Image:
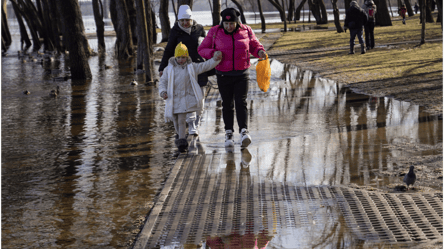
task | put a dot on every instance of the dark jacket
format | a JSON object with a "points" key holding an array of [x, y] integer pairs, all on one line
{"points": [[367, 5], [177, 35], [355, 18]]}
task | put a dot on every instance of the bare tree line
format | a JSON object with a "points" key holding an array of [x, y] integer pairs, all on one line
{"points": [[59, 27]]}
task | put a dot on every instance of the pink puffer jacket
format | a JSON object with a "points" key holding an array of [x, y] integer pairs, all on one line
{"points": [[236, 48]]}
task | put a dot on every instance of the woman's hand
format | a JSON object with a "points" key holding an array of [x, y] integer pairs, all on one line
{"points": [[160, 73], [217, 56], [262, 54]]}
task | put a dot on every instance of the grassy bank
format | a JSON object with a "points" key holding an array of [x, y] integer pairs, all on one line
{"points": [[398, 66], [403, 59]]}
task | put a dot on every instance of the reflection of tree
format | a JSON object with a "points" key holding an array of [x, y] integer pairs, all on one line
{"points": [[337, 237], [331, 130], [241, 241]]}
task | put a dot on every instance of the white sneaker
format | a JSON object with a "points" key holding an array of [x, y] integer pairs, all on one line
{"points": [[245, 138], [192, 130], [245, 158], [229, 142]]}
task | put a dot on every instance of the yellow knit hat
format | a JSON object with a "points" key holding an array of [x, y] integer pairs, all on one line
{"points": [[181, 50]]}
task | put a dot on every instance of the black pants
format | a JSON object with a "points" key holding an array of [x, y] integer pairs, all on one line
{"points": [[233, 91], [369, 34]]}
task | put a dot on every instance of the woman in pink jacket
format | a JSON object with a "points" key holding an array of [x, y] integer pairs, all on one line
{"points": [[236, 42]]}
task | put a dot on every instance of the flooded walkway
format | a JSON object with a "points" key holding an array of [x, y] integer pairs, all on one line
{"points": [[311, 138], [210, 200]]}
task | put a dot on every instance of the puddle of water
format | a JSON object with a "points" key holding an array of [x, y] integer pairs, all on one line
{"points": [[78, 170], [312, 131]]}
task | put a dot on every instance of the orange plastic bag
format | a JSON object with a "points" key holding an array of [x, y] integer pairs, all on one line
{"points": [[263, 74]]}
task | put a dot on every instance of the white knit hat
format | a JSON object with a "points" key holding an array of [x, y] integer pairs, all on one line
{"points": [[184, 12]]}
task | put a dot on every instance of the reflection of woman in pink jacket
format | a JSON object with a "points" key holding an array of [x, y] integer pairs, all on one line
{"points": [[236, 42]]}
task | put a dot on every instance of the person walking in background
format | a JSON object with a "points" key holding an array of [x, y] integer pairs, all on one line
{"points": [[355, 18], [416, 7], [369, 28], [432, 5], [236, 41], [402, 12], [189, 32], [179, 87]]}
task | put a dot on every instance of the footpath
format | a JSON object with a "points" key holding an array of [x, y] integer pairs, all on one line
{"points": [[217, 198]]}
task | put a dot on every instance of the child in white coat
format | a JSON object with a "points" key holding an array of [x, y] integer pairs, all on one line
{"points": [[178, 86]]}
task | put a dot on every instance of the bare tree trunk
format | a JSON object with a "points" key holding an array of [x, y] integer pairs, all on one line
{"points": [[423, 20], [78, 58], [285, 19], [297, 12], [100, 26], [321, 5], [153, 36], [4, 4], [187, 2], [6, 35], [347, 4], [338, 25], [241, 10], [164, 20], [315, 11], [174, 9], [44, 15], [23, 12], [216, 12], [261, 13], [408, 6], [120, 19], [278, 6], [382, 15], [36, 23], [290, 10], [142, 35], [149, 60], [390, 5], [429, 17], [439, 6], [55, 24], [211, 7], [85, 43], [143, 46], [132, 18], [24, 38]]}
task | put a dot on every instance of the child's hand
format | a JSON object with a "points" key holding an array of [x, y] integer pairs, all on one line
{"points": [[217, 56], [164, 95]]}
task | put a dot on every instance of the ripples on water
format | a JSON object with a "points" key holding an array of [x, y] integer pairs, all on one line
{"points": [[78, 170]]}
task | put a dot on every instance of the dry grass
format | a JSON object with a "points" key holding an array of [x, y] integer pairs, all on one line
{"points": [[384, 62]]}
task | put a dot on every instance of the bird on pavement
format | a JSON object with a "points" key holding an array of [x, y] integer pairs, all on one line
{"points": [[134, 83], [410, 178], [54, 93]]}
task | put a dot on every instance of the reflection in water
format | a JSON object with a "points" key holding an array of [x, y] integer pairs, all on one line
{"points": [[312, 131], [218, 202], [79, 169]]}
